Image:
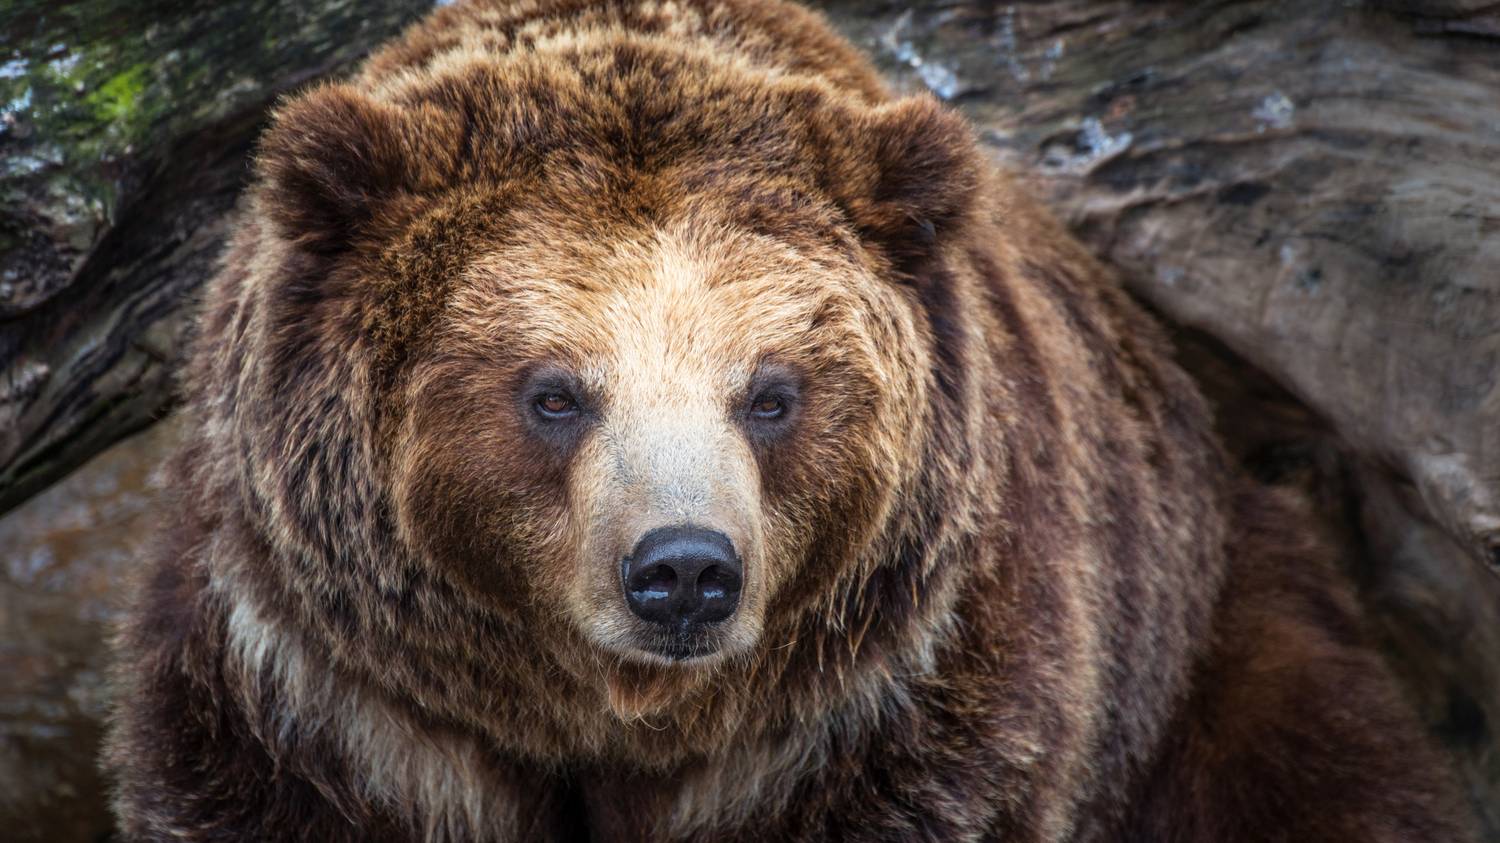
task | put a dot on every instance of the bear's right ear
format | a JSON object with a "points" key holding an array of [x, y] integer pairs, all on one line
{"points": [[333, 154]]}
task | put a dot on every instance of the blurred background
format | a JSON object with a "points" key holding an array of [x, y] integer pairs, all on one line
{"points": [[1307, 192]]}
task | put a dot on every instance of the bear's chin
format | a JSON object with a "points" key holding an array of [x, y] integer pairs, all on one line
{"points": [[638, 691]]}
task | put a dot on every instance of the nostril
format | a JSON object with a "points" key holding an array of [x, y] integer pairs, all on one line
{"points": [[717, 583], [654, 583]]}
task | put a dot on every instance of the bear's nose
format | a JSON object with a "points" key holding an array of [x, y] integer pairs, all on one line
{"points": [[678, 576]]}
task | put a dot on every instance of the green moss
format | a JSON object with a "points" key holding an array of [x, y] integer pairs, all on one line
{"points": [[94, 94], [118, 99]]}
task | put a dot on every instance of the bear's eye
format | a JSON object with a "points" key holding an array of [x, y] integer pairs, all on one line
{"points": [[556, 405], [768, 406]]}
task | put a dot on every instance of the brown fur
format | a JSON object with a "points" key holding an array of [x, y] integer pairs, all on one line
{"points": [[1000, 583]]}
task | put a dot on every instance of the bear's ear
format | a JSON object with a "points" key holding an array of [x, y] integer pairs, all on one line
{"points": [[917, 177], [333, 154]]}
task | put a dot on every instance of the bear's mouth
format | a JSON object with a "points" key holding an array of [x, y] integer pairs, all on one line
{"points": [[685, 642], [682, 654]]}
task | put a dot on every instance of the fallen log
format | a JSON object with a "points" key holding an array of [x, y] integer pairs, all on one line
{"points": [[124, 134]]}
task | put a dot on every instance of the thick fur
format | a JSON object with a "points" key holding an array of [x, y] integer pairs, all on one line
{"points": [[1000, 582]]}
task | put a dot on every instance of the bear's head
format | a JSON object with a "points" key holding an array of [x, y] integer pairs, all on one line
{"points": [[629, 364]]}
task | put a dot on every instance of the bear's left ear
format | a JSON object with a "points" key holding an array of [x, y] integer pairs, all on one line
{"points": [[916, 180]]}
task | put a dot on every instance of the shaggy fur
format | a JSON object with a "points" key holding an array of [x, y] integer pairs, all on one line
{"points": [[1000, 583]]}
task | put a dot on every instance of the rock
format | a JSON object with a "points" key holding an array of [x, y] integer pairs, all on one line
{"points": [[68, 554], [1459, 17]]}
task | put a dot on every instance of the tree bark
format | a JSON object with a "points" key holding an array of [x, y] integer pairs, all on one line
{"points": [[125, 129]]}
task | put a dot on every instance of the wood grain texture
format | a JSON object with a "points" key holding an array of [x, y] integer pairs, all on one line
{"points": [[124, 133]]}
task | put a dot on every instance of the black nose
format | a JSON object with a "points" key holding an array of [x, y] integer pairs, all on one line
{"points": [[682, 575]]}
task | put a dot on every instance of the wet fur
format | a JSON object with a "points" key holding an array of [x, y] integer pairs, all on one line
{"points": [[1010, 588]]}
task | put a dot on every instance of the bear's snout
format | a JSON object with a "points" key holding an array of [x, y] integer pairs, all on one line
{"points": [[682, 576]]}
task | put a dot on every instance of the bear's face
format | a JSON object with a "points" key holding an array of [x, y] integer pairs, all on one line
{"points": [[646, 435], [646, 397]]}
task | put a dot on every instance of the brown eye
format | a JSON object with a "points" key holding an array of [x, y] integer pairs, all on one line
{"points": [[556, 405], [768, 407]]}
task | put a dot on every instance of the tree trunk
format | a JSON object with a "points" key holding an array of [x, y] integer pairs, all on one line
{"points": [[125, 129]]}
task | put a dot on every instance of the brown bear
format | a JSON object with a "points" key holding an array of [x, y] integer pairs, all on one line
{"points": [[627, 420]]}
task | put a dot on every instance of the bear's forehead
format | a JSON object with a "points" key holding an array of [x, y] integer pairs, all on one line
{"points": [[654, 266], [616, 204], [684, 290]]}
